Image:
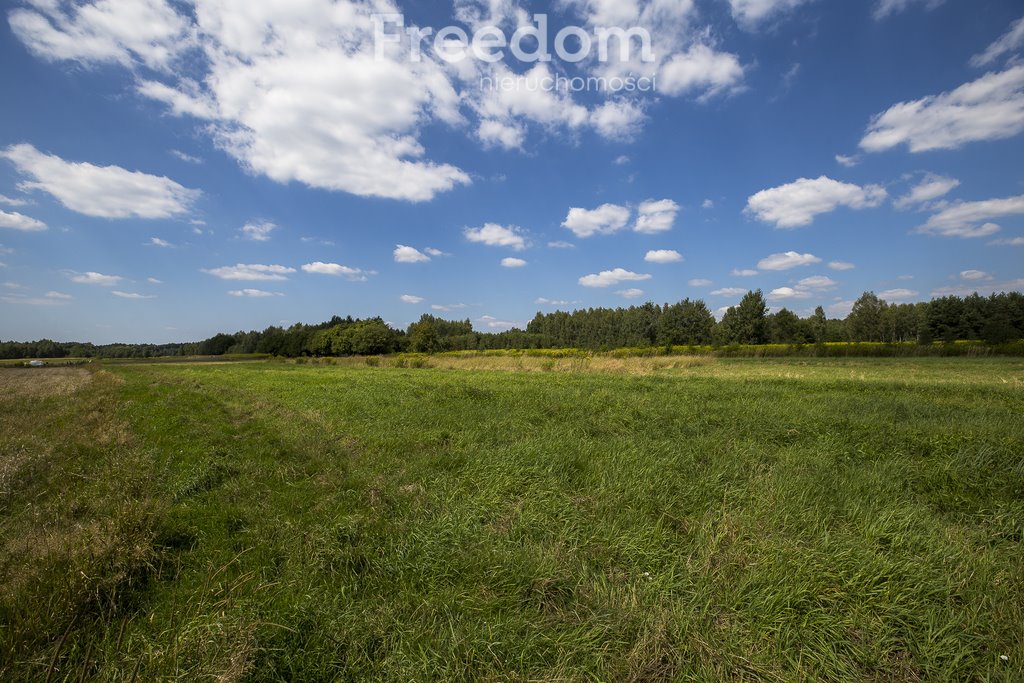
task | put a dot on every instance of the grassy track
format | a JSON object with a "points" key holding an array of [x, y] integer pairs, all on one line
{"points": [[752, 520]]}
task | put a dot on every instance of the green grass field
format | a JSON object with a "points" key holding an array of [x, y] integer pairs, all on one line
{"points": [[638, 520]]}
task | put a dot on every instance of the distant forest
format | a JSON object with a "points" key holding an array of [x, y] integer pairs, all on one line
{"points": [[996, 319]]}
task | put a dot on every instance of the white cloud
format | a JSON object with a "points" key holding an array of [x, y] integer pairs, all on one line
{"points": [[108, 31], [258, 232], [17, 221], [885, 8], [495, 324], [750, 13], [154, 281], [700, 282], [663, 256], [707, 204], [782, 293], [253, 293], [157, 242], [335, 270], [560, 244], [431, 251], [448, 308], [410, 299], [654, 216], [58, 295], [1011, 41], [494, 235], [841, 265], [621, 160], [817, 282], [787, 260], [291, 90], [969, 219], [618, 119], [608, 278], [981, 288], [897, 294], [990, 108], [729, 291], [604, 220], [93, 278], [253, 272], [840, 309], [700, 69], [512, 262], [1008, 242], [100, 191], [931, 187], [796, 204], [178, 154], [406, 254], [974, 275], [631, 293], [744, 272], [11, 201], [554, 302], [847, 161], [132, 295]]}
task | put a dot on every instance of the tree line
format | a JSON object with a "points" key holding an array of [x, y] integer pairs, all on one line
{"points": [[995, 319]]}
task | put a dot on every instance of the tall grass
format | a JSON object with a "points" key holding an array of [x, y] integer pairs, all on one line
{"points": [[801, 519]]}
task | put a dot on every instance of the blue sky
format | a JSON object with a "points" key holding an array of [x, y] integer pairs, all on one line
{"points": [[169, 169]]}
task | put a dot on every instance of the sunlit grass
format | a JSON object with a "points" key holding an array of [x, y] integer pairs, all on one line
{"points": [[496, 518]]}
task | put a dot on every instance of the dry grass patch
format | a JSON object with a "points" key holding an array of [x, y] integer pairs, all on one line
{"points": [[18, 384]]}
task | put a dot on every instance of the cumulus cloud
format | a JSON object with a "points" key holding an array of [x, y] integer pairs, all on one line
{"points": [[972, 219], [782, 293], [17, 221], [512, 262], [654, 216], [700, 69], [335, 270], [609, 278], [931, 187], [604, 220], [106, 31], [157, 242], [975, 275], [618, 119], [93, 278], [729, 291], [990, 108], [847, 161], [796, 204], [407, 254], [841, 265], [631, 293], [494, 235], [258, 232], [744, 272], [182, 156], [817, 282], [49, 299], [254, 272], [897, 294], [1008, 242], [886, 8], [554, 302], [135, 296], [1011, 41], [253, 293], [787, 260], [100, 191], [663, 256], [411, 299], [700, 282], [561, 244]]}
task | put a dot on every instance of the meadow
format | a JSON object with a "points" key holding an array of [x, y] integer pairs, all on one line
{"points": [[524, 518]]}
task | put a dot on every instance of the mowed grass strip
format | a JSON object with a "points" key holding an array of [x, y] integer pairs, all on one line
{"points": [[735, 520]]}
